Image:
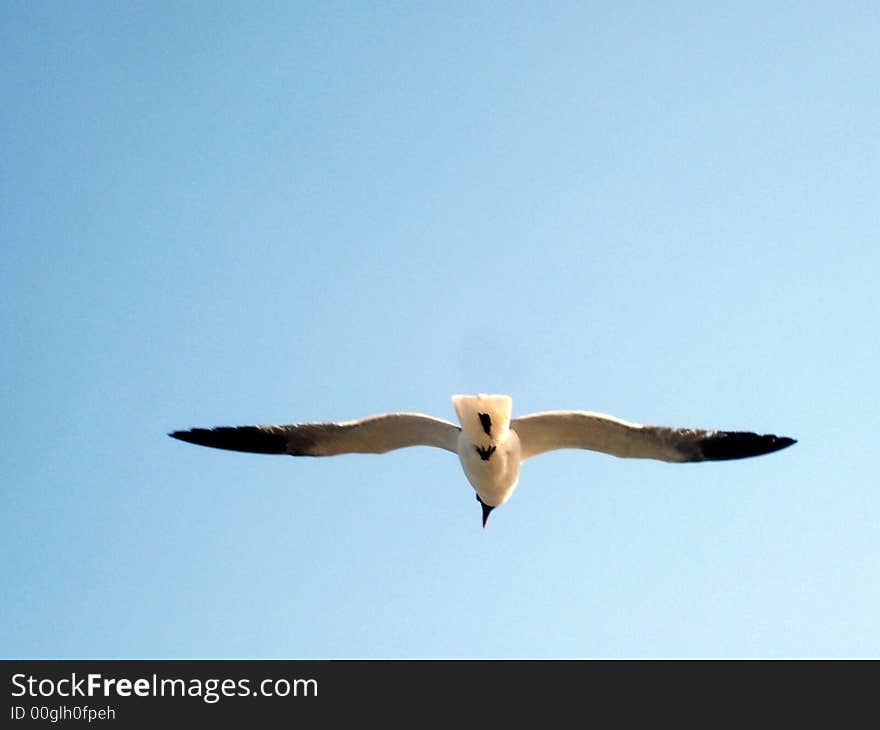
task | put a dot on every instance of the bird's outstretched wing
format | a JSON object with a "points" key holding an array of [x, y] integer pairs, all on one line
{"points": [[372, 435], [540, 432]]}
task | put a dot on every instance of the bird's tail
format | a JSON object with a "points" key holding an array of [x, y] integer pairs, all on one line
{"points": [[483, 417]]}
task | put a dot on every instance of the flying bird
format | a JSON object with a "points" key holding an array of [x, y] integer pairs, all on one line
{"points": [[490, 445]]}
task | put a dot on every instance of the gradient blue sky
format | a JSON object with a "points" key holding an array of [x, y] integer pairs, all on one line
{"points": [[238, 213]]}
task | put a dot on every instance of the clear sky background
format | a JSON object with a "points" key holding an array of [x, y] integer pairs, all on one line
{"points": [[243, 213]]}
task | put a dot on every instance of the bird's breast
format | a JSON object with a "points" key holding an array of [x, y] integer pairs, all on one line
{"points": [[492, 467]]}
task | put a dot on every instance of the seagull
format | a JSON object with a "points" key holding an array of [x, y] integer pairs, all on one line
{"points": [[490, 445]]}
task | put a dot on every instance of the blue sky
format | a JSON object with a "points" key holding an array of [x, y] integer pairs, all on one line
{"points": [[243, 213]]}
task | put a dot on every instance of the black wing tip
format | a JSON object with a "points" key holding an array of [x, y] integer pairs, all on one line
{"points": [[250, 439], [190, 436], [726, 445]]}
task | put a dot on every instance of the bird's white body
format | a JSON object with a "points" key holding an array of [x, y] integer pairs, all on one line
{"points": [[486, 432]]}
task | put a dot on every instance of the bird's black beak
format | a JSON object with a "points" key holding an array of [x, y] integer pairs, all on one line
{"points": [[486, 509]]}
